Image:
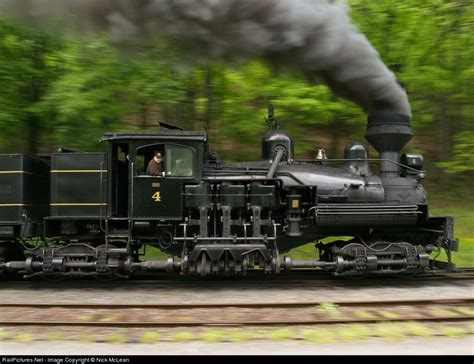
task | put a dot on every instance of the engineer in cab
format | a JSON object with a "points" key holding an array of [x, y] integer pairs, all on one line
{"points": [[155, 166]]}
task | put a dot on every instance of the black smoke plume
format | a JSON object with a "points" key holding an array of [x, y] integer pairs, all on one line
{"points": [[316, 36]]}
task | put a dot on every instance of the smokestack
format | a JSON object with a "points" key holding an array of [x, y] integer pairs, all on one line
{"points": [[388, 134]]}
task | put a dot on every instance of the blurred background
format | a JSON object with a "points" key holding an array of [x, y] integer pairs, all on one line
{"points": [[66, 92]]}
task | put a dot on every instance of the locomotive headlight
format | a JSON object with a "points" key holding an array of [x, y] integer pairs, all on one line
{"points": [[413, 165], [412, 160]]}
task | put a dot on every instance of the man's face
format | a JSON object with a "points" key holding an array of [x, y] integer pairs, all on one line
{"points": [[157, 159]]}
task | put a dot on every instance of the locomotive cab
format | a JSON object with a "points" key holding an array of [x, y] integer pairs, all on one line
{"points": [[152, 197]]}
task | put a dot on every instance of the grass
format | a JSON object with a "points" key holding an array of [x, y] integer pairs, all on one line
{"points": [[86, 338], [3, 335], [183, 336], [108, 319], [330, 309], [56, 336], [240, 336], [116, 339], [25, 337], [349, 333], [212, 336], [364, 315], [465, 311], [453, 332], [281, 334], [149, 337], [153, 253], [390, 331], [463, 221], [85, 317], [442, 312], [319, 336], [418, 329], [471, 327]]}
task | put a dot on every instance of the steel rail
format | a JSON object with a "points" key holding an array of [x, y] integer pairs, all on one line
{"points": [[260, 305], [226, 321], [287, 322]]}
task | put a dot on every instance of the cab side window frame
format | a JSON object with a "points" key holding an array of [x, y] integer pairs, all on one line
{"points": [[170, 162]]}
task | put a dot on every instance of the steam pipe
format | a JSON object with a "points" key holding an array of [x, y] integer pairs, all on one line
{"points": [[275, 162]]}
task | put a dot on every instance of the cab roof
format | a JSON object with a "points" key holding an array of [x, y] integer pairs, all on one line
{"points": [[160, 135]]}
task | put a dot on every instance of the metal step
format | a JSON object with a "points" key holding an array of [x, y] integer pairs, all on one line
{"points": [[117, 250]]}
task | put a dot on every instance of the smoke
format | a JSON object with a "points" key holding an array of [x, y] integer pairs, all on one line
{"points": [[316, 36]]}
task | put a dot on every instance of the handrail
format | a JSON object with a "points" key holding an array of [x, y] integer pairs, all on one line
{"points": [[132, 192], [319, 161]]}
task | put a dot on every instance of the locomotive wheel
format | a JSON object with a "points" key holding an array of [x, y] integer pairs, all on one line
{"points": [[385, 245]]}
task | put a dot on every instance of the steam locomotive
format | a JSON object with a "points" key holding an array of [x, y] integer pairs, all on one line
{"points": [[74, 214]]}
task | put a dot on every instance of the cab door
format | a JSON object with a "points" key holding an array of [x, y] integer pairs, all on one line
{"points": [[161, 197]]}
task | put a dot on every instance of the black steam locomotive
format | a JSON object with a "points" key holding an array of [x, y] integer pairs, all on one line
{"points": [[72, 214]]}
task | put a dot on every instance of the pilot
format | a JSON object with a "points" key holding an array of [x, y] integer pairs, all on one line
{"points": [[155, 166]]}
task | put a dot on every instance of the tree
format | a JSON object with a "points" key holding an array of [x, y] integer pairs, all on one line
{"points": [[25, 75]]}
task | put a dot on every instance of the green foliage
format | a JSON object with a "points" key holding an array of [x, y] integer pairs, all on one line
{"points": [[61, 92], [463, 156], [25, 75], [429, 45]]}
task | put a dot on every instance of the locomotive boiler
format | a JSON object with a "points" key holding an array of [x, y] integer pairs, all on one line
{"points": [[73, 214]]}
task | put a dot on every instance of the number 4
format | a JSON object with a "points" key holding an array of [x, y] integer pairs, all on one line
{"points": [[156, 197]]}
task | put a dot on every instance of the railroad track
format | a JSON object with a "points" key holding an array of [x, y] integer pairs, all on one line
{"points": [[235, 314]]}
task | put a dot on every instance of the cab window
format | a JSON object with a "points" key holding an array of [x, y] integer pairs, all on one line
{"points": [[144, 155], [179, 161]]}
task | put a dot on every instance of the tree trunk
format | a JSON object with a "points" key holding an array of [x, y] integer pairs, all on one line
{"points": [[33, 132], [208, 93], [444, 150], [144, 110]]}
